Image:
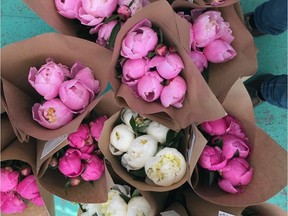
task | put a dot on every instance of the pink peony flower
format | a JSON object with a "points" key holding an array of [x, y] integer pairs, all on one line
{"points": [[133, 69], [28, 188], [11, 203], [104, 31], [25, 171], [173, 94], [216, 127], [70, 164], [134, 5], [139, 41], [219, 51], [48, 79], [86, 151], [9, 180], [52, 114], [149, 86], [212, 159], [38, 201], [96, 127], [232, 145], [169, 66], [100, 8], [225, 32], [199, 59], [67, 8], [81, 137], [235, 127], [86, 77], [124, 12], [235, 175], [86, 18], [94, 169], [75, 95]]}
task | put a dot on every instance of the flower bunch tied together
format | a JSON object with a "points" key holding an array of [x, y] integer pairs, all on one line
{"points": [[226, 154], [18, 187], [148, 149], [151, 67], [81, 159], [210, 37], [66, 92], [120, 203], [103, 19]]}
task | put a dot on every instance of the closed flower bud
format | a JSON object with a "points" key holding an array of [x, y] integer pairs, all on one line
{"points": [[158, 131]]}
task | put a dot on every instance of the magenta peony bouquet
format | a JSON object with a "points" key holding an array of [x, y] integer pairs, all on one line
{"points": [[103, 19], [81, 159], [226, 154], [210, 38], [151, 67], [18, 187], [66, 92]]}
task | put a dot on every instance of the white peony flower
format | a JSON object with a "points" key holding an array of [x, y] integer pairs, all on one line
{"points": [[167, 167], [91, 209], [126, 116], [138, 206], [141, 149], [120, 139], [158, 131], [115, 206]]}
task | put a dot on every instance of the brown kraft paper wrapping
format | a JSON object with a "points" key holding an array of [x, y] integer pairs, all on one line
{"points": [[26, 152], [175, 209], [268, 159], [7, 133], [223, 75], [18, 96], [116, 165], [267, 209], [54, 181], [200, 103]]}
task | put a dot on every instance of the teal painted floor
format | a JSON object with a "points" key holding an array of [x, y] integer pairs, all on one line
{"points": [[18, 23]]}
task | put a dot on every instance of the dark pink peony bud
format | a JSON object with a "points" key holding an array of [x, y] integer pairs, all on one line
{"points": [[124, 12]]}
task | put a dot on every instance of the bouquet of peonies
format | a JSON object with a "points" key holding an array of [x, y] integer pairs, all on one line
{"points": [[18, 187], [226, 154], [121, 201], [103, 18], [66, 92]]}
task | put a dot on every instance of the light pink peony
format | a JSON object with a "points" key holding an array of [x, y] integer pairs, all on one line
{"points": [[81, 137], [75, 95], [38, 201], [139, 41], [235, 127], [173, 94], [149, 86], [67, 8], [87, 78], [225, 32], [104, 31], [219, 51], [94, 169], [70, 164], [216, 127], [235, 175], [133, 69], [48, 79], [11, 203], [233, 145], [99, 8], [86, 18], [9, 180], [212, 159], [28, 188], [199, 59], [52, 114], [133, 6], [168, 66], [96, 127], [124, 12]]}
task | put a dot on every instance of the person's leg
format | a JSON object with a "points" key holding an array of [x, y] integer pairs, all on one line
{"points": [[274, 90], [271, 17]]}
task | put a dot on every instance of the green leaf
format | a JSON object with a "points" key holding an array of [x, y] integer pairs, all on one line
{"points": [[113, 34], [83, 210], [218, 142], [170, 137], [211, 178], [124, 197], [133, 124], [236, 154], [135, 193], [113, 17], [142, 129], [160, 36], [139, 173], [67, 185], [95, 214], [205, 75], [151, 54]]}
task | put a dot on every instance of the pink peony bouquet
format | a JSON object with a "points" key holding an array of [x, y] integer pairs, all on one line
{"points": [[225, 156], [66, 92], [18, 187], [210, 38], [151, 67], [103, 19], [81, 159]]}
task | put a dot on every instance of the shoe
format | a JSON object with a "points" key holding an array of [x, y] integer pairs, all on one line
{"points": [[253, 31], [253, 87]]}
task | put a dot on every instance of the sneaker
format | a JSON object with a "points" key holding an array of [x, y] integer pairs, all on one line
{"points": [[254, 31]]}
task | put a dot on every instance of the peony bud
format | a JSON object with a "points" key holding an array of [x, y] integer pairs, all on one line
{"points": [[67, 8], [28, 188], [158, 131], [124, 12], [235, 127], [133, 70], [75, 181], [233, 145], [25, 171], [216, 127], [80, 137], [212, 159], [93, 169], [161, 50], [11, 203], [53, 162], [9, 180], [38, 201], [138, 206], [96, 127], [199, 59]]}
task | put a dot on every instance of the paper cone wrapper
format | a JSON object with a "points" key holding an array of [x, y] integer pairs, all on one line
{"points": [[268, 159], [199, 105], [267, 209], [26, 152], [31, 210], [2, 109], [222, 76], [193, 145], [7, 133], [18, 96], [175, 209], [54, 181]]}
